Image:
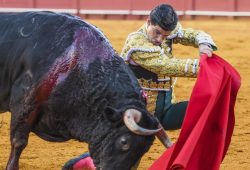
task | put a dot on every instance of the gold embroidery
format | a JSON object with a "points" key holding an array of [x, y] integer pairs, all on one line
{"points": [[159, 60], [151, 102], [152, 88]]}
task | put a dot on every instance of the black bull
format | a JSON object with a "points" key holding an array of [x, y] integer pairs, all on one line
{"points": [[61, 79]]}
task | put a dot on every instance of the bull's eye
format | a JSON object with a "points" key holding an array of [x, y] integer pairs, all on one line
{"points": [[123, 143]]}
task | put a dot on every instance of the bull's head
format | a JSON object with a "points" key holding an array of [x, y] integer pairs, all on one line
{"points": [[129, 142], [132, 116]]}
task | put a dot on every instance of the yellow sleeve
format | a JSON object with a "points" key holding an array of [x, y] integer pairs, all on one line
{"points": [[191, 37], [162, 65], [154, 58]]}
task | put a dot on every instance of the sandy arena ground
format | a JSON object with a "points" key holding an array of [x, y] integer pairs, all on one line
{"points": [[233, 40]]}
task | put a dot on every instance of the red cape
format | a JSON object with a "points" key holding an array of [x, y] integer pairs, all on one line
{"points": [[209, 122]]}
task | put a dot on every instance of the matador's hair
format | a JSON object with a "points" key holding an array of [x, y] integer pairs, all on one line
{"points": [[165, 16]]}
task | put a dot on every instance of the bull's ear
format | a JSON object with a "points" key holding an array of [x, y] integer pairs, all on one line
{"points": [[113, 116]]}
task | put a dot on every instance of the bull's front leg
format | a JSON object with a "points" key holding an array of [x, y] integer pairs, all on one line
{"points": [[19, 139], [21, 124], [23, 114]]}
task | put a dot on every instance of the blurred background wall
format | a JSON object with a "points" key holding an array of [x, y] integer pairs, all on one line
{"points": [[132, 9]]}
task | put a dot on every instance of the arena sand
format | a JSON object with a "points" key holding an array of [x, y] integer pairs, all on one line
{"points": [[233, 40]]}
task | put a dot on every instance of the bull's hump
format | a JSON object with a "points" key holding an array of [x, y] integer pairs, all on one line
{"points": [[91, 44]]}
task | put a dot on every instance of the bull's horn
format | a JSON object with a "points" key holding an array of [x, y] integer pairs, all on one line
{"points": [[131, 117], [163, 137]]}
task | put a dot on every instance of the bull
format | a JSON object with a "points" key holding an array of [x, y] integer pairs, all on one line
{"points": [[62, 79]]}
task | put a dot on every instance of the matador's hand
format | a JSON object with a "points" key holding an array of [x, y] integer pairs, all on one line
{"points": [[205, 49]]}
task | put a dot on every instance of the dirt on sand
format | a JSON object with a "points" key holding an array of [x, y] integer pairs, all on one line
{"points": [[233, 40]]}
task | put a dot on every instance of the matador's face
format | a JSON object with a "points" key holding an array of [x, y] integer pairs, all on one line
{"points": [[156, 34]]}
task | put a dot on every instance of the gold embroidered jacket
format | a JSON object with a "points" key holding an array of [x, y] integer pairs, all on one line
{"points": [[139, 51]]}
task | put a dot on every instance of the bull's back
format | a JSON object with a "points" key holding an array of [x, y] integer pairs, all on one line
{"points": [[30, 42]]}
